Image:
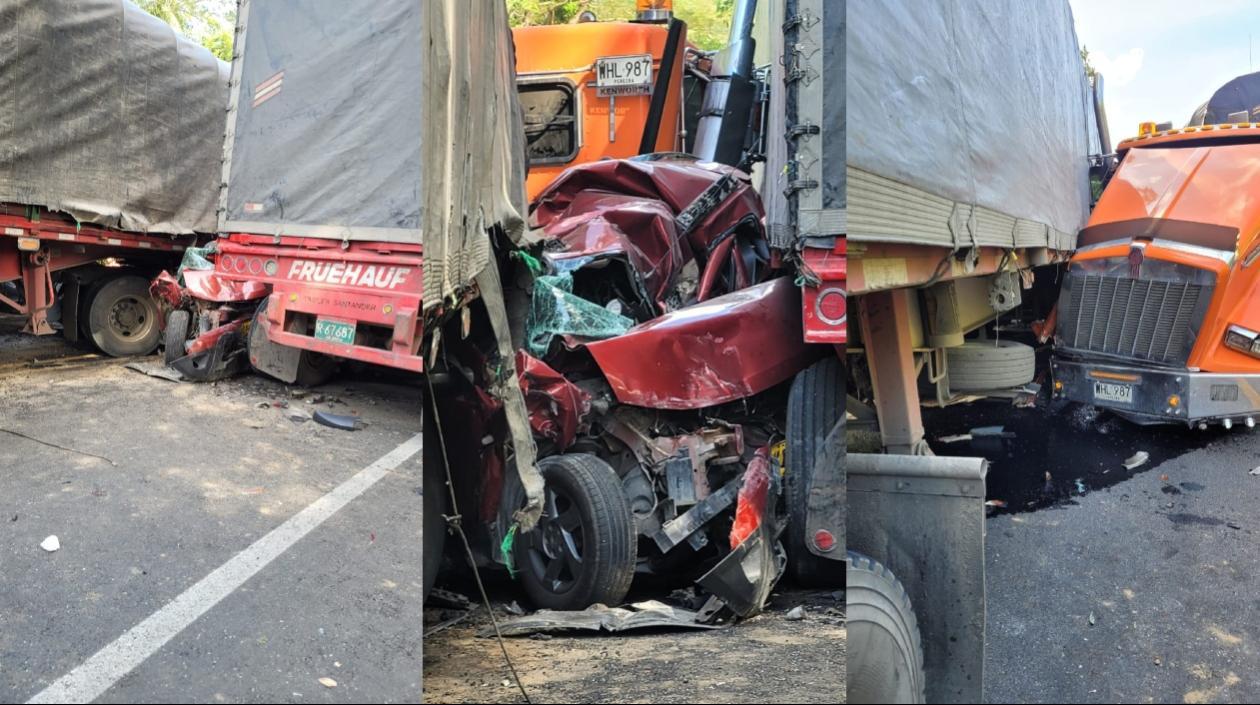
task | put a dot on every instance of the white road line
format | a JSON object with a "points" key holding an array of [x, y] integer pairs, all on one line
{"points": [[93, 677]]}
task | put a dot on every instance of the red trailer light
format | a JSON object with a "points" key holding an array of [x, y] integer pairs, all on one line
{"points": [[830, 307], [824, 541]]}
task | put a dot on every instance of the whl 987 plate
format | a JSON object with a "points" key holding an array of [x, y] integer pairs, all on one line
{"points": [[1113, 392], [623, 75]]}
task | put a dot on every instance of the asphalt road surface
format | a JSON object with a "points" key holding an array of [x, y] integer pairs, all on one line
{"points": [[1166, 566], [212, 549]]}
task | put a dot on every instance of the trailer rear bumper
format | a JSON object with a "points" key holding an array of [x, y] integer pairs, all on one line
{"points": [[1152, 396], [403, 328]]}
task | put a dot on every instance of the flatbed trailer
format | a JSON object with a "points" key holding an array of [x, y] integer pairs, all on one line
{"points": [[53, 259]]}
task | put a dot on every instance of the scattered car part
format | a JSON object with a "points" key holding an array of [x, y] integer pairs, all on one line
{"points": [[650, 614], [341, 422], [1136, 460]]}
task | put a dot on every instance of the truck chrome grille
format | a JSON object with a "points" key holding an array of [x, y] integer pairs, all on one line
{"points": [[1153, 320]]}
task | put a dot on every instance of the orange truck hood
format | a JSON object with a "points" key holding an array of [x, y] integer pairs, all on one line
{"points": [[1183, 190]]}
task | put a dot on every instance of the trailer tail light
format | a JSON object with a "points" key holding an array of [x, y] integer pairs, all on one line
{"points": [[1243, 340], [824, 541], [830, 305], [28, 244]]}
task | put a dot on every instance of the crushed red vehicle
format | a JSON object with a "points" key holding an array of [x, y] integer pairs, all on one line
{"points": [[662, 339], [205, 321]]}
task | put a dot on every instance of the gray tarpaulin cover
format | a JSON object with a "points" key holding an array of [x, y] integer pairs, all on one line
{"points": [[977, 103], [108, 115], [387, 121]]}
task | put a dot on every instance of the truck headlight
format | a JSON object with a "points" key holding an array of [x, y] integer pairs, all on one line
{"points": [[1243, 340]]}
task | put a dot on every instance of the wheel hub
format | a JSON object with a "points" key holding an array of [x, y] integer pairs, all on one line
{"points": [[127, 317]]}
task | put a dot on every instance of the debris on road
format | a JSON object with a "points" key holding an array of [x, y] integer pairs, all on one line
{"points": [[51, 544], [1138, 459], [328, 682], [1254, 471], [155, 370], [297, 415], [343, 422], [955, 439], [640, 615], [997, 503], [795, 614], [991, 432]]}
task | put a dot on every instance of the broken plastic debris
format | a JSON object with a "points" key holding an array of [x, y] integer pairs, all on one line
{"points": [[1254, 471], [327, 682], [1000, 504], [297, 415], [344, 422], [50, 544], [991, 432], [1091, 619], [795, 614], [955, 439], [1139, 459], [1080, 486], [640, 615]]}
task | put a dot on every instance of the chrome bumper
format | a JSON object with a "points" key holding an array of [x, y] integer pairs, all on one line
{"points": [[1162, 396]]}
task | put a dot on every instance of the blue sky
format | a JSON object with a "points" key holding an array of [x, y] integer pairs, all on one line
{"points": [[1163, 58]]}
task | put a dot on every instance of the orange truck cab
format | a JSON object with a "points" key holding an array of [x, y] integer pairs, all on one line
{"points": [[1159, 312], [587, 91]]}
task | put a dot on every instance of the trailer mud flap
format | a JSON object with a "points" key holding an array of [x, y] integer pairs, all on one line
{"points": [[923, 518], [279, 361]]}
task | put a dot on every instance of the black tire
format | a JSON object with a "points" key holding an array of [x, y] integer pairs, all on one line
{"points": [[315, 368], [434, 506], [583, 550], [885, 663], [175, 335], [815, 406], [123, 318], [981, 365]]}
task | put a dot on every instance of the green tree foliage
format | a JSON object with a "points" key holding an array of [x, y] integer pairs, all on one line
{"points": [[708, 21], [1089, 68], [210, 23]]}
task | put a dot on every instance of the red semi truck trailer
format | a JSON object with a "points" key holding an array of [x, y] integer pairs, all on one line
{"points": [[109, 163]]}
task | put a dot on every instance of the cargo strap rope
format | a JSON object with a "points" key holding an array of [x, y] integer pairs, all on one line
{"points": [[453, 520]]}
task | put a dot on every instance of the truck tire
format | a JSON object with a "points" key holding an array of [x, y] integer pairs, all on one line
{"points": [[315, 368], [175, 335], [433, 506], [583, 550], [815, 406], [980, 365], [123, 318], [885, 663]]}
